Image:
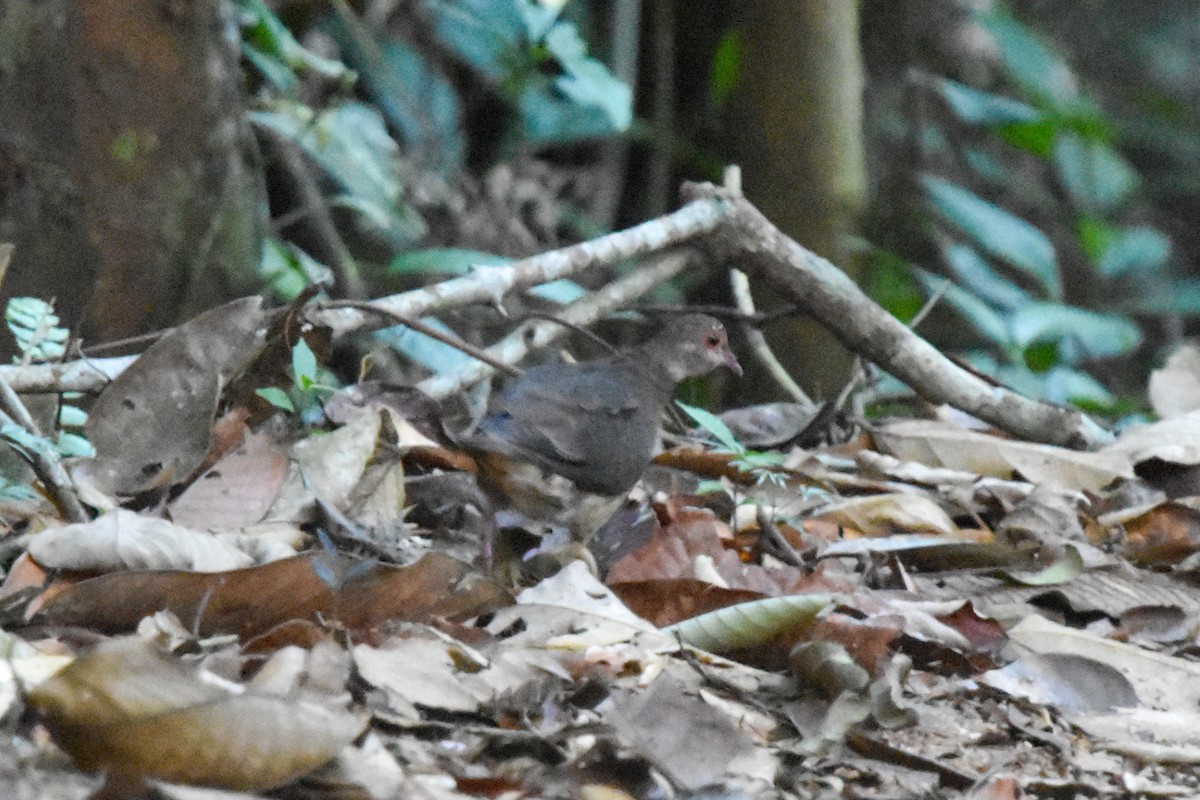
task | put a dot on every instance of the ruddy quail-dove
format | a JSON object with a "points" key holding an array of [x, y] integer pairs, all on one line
{"points": [[594, 423]]}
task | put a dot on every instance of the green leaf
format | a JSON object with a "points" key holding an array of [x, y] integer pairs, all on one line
{"points": [[1126, 251], [411, 92], [713, 424], [1035, 137], [1030, 62], [72, 445], [726, 68], [1099, 334], [586, 81], [1095, 176], [561, 291], [974, 272], [891, 284], [446, 260], [490, 35], [276, 397], [351, 144], [749, 624], [997, 232], [425, 350], [1064, 384], [983, 108], [287, 270], [1177, 296], [983, 318], [35, 327], [71, 416], [304, 362]]}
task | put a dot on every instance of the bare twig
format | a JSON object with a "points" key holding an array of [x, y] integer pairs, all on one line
{"points": [[758, 343], [430, 331], [536, 335], [346, 278], [491, 284]]}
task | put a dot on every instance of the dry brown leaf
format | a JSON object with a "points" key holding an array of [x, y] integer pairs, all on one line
{"points": [[690, 546], [940, 445], [237, 490], [129, 710], [885, 514], [1165, 534], [326, 588], [152, 425]]}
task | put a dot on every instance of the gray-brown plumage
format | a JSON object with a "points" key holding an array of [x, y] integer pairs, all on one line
{"points": [[596, 422]]}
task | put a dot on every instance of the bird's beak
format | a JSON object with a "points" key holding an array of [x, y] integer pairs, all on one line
{"points": [[732, 362]]}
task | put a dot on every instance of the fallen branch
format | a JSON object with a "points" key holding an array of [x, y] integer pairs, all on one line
{"points": [[735, 231], [829, 296]]}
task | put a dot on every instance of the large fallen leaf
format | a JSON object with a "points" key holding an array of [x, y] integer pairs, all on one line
{"points": [[237, 490], [1067, 681], [1159, 681], [939, 445], [433, 671], [689, 740], [749, 624], [152, 425], [355, 468], [133, 712], [1176, 440], [885, 514], [123, 539], [321, 587]]}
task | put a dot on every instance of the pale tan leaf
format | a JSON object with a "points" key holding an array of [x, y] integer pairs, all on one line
{"points": [[1174, 388], [123, 539], [940, 445], [1176, 440], [134, 712], [884, 514], [237, 490], [749, 624]]}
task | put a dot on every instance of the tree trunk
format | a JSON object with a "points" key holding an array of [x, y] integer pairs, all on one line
{"points": [[127, 174], [799, 139]]}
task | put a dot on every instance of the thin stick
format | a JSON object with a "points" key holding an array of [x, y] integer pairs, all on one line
{"points": [[531, 336], [758, 342], [430, 331], [41, 455]]}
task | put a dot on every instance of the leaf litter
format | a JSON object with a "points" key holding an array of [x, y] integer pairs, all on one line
{"points": [[920, 610]]}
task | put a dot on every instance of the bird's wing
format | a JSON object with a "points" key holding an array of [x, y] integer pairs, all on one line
{"points": [[555, 408]]}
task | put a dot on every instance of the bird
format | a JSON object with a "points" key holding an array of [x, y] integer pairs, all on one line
{"points": [[593, 424]]}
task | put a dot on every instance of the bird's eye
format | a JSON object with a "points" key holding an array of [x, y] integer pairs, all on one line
{"points": [[713, 340]]}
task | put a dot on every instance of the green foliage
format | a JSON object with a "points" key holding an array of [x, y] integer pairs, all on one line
{"points": [[40, 339], [479, 78], [539, 64], [275, 53], [1040, 222], [35, 327], [726, 68], [350, 143], [310, 386], [760, 464], [287, 270]]}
